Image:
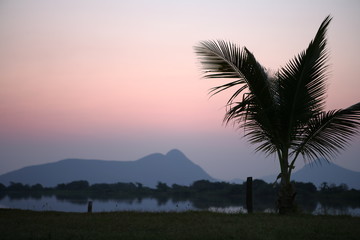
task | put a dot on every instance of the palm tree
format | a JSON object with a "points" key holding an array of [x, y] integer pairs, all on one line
{"points": [[282, 113]]}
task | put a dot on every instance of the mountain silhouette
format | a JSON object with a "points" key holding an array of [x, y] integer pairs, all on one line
{"points": [[326, 172], [172, 168]]}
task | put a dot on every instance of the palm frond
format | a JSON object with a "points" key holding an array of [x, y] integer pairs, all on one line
{"points": [[328, 133], [302, 84], [221, 59], [256, 111]]}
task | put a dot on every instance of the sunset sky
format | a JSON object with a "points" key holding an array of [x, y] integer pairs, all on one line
{"points": [[118, 80]]}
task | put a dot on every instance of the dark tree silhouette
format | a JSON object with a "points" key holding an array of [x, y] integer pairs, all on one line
{"points": [[282, 113]]}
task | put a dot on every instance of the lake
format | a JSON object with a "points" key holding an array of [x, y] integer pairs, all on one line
{"points": [[52, 203]]}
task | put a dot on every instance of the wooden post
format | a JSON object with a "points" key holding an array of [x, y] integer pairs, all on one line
{"points": [[89, 206], [249, 197]]}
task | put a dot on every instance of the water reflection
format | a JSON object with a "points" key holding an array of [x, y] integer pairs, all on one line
{"points": [[99, 205], [229, 210], [159, 204], [339, 210]]}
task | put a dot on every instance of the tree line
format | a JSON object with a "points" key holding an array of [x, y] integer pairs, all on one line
{"points": [[202, 194], [261, 189]]}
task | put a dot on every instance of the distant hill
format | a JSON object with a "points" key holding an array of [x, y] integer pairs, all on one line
{"points": [[174, 167], [326, 172]]}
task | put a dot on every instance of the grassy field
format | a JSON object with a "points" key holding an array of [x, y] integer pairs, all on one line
{"points": [[20, 224]]}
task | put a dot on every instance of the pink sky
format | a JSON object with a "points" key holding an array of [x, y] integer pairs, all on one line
{"points": [[119, 79]]}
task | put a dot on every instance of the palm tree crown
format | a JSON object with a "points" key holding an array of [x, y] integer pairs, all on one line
{"points": [[282, 114]]}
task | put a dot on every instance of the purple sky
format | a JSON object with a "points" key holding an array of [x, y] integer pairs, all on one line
{"points": [[117, 80]]}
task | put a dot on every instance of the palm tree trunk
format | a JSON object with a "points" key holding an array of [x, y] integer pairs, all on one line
{"points": [[286, 198], [286, 195]]}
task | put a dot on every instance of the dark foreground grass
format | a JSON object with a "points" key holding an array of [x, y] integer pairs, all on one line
{"points": [[20, 224]]}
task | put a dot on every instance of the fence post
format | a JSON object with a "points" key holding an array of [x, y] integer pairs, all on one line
{"points": [[249, 195], [89, 206]]}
